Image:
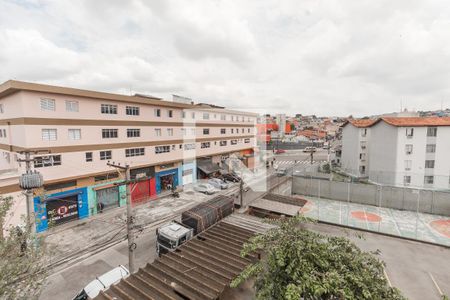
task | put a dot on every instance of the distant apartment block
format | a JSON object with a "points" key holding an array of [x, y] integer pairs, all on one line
{"points": [[400, 151], [170, 143]]}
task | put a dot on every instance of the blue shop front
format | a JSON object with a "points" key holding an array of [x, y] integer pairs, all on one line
{"points": [[60, 208], [166, 177]]}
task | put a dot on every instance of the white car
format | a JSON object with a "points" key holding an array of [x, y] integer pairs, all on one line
{"points": [[102, 283], [204, 188], [218, 183]]}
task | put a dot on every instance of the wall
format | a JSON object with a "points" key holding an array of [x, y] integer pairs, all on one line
{"points": [[350, 149], [426, 201]]}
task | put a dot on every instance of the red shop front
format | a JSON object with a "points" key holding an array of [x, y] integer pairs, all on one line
{"points": [[143, 191]]}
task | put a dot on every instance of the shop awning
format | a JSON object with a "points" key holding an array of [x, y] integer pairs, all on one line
{"points": [[207, 167]]}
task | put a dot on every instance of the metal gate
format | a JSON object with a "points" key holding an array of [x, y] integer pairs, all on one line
{"points": [[108, 198]]}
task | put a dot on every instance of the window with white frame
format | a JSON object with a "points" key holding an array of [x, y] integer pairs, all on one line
{"points": [[133, 132], [74, 134], [1, 108], [242, 130], [193, 115], [407, 180], [248, 130], [432, 131], [233, 142], [429, 164], [192, 131], [363, 132], [134, 152], [431, 148], [170, 131], [223, 143], [223, 131], [72, 106], [232, 130], [110, 133], [170, 113], [190, 146], [205, 145], [409, 132], [48, 104], [162, 149], [206, 131], [104, 155], [89, 156], [157, 112], [428, 179], [47, 161], [49, 134], [223, 117], [110, 109], [246, 141], [132, 110], [408, 149], [158, 131], [183, 114], [408, 165], [205, 116]]}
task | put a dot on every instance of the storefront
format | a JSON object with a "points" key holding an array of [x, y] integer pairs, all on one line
{"points": [[143, 190], [166, 178], [207, 168], [60, 208], [107, 197]]}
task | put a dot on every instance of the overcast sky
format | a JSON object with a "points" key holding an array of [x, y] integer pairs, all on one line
{"points": [[311, 57]]}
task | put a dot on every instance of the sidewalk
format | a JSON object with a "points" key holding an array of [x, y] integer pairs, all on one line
{"points": [[76, 238]]}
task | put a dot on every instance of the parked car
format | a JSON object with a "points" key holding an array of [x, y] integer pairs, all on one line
{"points": [[279, 151], [218, 183], [309, 149], [102, 283], [204, 188], [281, 171]]}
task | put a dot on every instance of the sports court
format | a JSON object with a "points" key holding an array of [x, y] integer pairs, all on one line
{"points": [[420, 226]]}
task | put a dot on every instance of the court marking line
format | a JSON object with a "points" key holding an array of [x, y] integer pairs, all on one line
{"points": [[436, 285], [387, 277]]}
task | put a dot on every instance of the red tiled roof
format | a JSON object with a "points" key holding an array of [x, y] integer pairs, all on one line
{"points": [[361, 123], [417, 121]]}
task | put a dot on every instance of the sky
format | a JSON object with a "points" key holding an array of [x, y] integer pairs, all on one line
{"points": [[329, 58]]}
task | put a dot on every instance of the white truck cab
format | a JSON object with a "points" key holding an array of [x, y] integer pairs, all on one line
{"points": [[172, 235]]}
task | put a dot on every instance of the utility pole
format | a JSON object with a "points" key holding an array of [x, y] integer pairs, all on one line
{"points": [[28, 182], [130, 217], [312, 156]]}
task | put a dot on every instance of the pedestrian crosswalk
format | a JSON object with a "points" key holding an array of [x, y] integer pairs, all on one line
{"points": [[293, 162]]}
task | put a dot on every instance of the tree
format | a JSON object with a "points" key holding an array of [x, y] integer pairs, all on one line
{"points": [[300, 264], [22, 271]]}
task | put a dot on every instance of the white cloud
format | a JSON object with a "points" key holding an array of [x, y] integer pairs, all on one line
{"points": [[321, 57]]}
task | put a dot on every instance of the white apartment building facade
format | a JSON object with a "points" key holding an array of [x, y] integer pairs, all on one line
{"points": [[82, 130], [355, 147], [406, 151]]}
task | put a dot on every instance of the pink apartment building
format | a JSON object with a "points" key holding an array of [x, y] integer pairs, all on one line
{"points": [[170, 143]]}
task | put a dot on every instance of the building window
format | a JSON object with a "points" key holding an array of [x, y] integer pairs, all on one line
{"points": [[363, 132], [362, 156], [89, 156], [104, 155], [193, 115], [71, 106], [206, 131], [408, 149], [2, 133], [192, 131], [233, 142], [47, 161], [431, 148], [170, 131], [183, 114], [134, 152], [162, 149], [133, 132], [429, 164], [408, 164], [1, 108], [106, 177], [132, 110], [237, 130], [232, 130], [205, 116], [223, 131], [246, 141], [205, 145], [428, 179], [110, 133], [157, 112], [409, 132], [363, 144], [109, 109], [170, 113], [242, 130], [158, 131], [74, 134], [223, 117], [60, 185], [232, 118], [407, 180], [223, 143], [190, 146], [431, 131], [49, 134], [248, 130], [362, 170], [47, 104]]}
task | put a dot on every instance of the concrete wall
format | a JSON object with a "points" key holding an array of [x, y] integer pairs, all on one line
{"points": [[425, 201], [350, 149]]}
